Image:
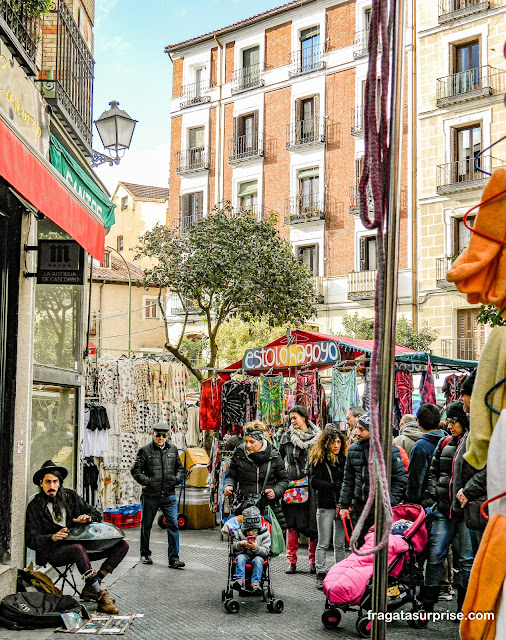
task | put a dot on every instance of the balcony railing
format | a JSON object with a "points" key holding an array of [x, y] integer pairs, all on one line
{"points": [[357, 121], [318, 289], [242, 148], [181, 306], [360, 44], [305, 208], [454, 9], [362, 285], [195, 93], [247, 78], [67, 84], [193, 160], [462, 174], [461, 348], [20, 30], [187, 222], [306, 132], [442, 267], [257, 209], [355, 201], [481, 82], [307, 60]]}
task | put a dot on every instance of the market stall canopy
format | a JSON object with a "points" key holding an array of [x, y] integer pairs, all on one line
{"points": [[47, 191], [421, 357], [305, 349]]}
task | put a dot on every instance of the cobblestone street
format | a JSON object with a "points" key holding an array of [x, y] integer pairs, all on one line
{"points": [[187, 604]]}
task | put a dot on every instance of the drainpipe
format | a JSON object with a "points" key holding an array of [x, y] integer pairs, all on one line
{"points": [[100, 320], [414, 207], [218, 187]]}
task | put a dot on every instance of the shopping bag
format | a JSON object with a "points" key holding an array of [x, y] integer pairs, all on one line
{"points": [[277, 538]]}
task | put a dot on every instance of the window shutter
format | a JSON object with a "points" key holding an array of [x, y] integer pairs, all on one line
{"points": [[455, 236], [359, 167], [363, 254], [199, 204], [255, 130], [235, 138], [184, 213]]}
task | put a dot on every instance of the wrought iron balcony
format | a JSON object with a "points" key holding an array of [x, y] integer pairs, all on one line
{"points": [[362, 285], [357, 121], [461, 348], [307, 60], [305, 208], [453, 9], [462, 175], [193, 94], [247, 78], [442, 267], [256, 209], [67, 84], [355, 201], [193, 160], [178, 306], [243, 148], [476, 83], [20, 32], [360, 44], [306, 132], [187, 222], [318, 289]]}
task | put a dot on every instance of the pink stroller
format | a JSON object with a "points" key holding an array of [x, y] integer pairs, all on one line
{"points": [[348, 584]]}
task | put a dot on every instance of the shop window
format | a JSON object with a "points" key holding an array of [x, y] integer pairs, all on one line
{"points": [[53, 429], [151, 310], [461, 235], [308, 256], [247, 196], [119, 243], [124, 203], [368, 253]]}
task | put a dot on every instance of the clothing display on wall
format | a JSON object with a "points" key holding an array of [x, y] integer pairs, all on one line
{"points": [[271, 400]]}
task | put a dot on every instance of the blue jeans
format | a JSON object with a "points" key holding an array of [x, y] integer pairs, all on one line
{"points": [[330, 529], [240, 567], [150, 506], [444, 532]]}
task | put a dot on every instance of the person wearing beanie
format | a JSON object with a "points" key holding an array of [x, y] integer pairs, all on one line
{"points": [[50, 516], [252, 544], [355, 487], [467, 390], [158, 469], [447, 522]]}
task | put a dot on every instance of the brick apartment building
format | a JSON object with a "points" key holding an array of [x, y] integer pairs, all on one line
{"points": [[267, 114]]}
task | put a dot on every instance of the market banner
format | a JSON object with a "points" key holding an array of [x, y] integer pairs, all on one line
{"points": [[82, 184]]}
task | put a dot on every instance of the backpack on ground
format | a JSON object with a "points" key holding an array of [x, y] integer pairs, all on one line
{"points": [[37, 610]]}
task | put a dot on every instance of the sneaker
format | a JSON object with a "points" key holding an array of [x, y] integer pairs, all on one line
{"points": [[105, 603], [176, 564], [146, 560], [256, 589], [446, 592], [238, 584]]}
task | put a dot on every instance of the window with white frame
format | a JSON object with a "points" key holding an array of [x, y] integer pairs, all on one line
{"points": [[368, 253], [151, 310], [308, 256], [247, 195]]}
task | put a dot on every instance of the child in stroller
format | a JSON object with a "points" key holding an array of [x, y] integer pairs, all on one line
{"points": [[348, 584], [248, 560]]}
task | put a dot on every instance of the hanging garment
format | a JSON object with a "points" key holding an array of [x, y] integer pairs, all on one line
{"points": [[127, 383], [366, 397], [155, 382], [128, 417], [271, 400], [90, 481], [112, 455], [210, 404], [112, 411], [129, 449], [142, 422], [234, 404], [344, 393], [324, 416], [193, 432], [451, 388], [404, 391], [97, 417], [142, 380], [128, 489], [307, 393], [108, 380], [251, 391], [166, 382], [177, 417], [427, 388], [154, 415], [109, 487]]}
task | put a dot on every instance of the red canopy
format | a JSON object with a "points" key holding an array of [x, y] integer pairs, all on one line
{"points": [[349, 350]]}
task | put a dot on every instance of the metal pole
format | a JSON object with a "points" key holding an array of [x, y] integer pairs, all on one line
{"points": [[387, 341], [129, 298]]}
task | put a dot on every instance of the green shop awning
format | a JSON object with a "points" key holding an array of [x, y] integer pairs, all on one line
{"points": [[82, 184]]}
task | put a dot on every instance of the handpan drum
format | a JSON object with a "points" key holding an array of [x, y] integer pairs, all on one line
{"points": [[95, 536]]}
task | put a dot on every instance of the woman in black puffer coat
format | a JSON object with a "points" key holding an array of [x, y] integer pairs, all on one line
{"points": [[248, 468], [447, 523], [294, 447], [326, 472]]}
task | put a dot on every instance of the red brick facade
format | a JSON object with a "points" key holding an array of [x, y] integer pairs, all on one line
{"points": [[278, 45]]}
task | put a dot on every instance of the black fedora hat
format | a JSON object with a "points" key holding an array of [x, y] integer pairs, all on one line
{"points": [[48, 467]]}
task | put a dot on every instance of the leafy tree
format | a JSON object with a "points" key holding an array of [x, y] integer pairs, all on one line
{"points": [[488, 315], [34, 8], [227, 266], [362, 328]]}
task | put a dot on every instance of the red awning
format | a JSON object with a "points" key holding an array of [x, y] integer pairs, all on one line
{"points": [[349, 348], [37, 184]]}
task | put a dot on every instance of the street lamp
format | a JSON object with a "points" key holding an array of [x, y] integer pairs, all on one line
{"points": [[115, 128]]}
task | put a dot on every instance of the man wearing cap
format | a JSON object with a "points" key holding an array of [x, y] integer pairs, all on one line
{"points": [[48, 518], [159, 470], [355, 487]]}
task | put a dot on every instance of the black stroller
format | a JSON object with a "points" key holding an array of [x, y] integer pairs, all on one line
{"points": [[231, 604]]}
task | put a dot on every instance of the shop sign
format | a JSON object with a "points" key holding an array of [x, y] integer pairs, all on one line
{"points": [[22, 105], [294, 355], [60, 262]]}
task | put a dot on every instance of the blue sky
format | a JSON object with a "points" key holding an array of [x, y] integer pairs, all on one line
{"points": [[131, 67]]}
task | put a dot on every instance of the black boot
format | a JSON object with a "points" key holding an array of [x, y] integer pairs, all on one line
{"points": [[461, 596], [428, 597]]}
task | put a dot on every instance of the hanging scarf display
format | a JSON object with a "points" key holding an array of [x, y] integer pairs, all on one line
{"points": [[210, 404], [271, 400], [404, 391], [344, 393], [427, 389], [307, 393]]}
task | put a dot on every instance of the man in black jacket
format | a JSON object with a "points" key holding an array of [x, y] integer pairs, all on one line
{"points": [[48, 518], [159, 470], [355, 487]]}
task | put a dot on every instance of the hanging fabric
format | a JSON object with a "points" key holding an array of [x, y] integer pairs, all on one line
{"points": [[307, 393], [366, 397], [404, 391], [210, 404], [344, 393], [271, 400], [452, 388], [427, 389]]}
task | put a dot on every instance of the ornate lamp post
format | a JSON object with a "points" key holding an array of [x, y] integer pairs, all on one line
{"points": [[115, 128]]}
